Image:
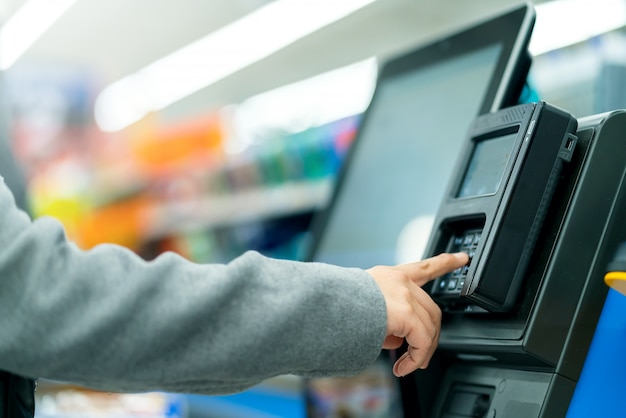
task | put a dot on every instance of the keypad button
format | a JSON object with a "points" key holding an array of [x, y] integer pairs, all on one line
{"points": [[466, 241]]}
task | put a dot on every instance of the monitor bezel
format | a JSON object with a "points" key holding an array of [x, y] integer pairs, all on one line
{"points": [[511, 29]]}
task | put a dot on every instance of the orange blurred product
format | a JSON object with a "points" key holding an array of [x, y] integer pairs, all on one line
{"points": [[161, 149], [124, 222]]}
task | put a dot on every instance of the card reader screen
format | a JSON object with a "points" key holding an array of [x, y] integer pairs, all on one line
{"points": [[486, 166]]}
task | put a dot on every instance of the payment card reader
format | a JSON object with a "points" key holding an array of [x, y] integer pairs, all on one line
{"points": [[496, 203]]}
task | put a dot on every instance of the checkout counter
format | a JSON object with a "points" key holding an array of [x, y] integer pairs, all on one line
{"points": [[537, 197], [528, 360]]}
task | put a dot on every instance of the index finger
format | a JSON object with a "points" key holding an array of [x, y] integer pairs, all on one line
{"points": [[422, 272]]}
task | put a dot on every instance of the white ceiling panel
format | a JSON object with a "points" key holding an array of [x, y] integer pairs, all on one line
{"points": [[113, 38]]}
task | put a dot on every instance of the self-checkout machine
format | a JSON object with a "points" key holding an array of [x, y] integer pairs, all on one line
{"points": [[538, 199]]}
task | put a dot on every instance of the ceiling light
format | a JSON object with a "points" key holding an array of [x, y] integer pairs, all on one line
{"points": [[26, 26], [221, 53], [566, 22], [316, 101]]}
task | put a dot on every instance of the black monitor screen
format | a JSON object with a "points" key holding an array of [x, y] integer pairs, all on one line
{"points": [[398, 168], [404, 158], [486, 167]]}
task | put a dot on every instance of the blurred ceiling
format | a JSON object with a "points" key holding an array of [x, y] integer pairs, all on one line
{"points": [[113, 38]]}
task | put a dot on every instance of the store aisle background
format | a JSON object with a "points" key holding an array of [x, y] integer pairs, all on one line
{"points": [[246, 161]]}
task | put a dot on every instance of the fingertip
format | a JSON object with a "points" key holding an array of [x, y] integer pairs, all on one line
{"points": [[462, 256]]}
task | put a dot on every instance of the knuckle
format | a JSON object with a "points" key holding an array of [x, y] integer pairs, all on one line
{"points": [[425, 264], [403, 277], [434, 331], [447, 258], [406, 310], [438, 314]]}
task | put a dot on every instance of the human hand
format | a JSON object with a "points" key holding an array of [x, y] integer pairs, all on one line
{"points": [[411, 313]]}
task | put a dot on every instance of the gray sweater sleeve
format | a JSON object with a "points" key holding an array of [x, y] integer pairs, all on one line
{"points": [[107, 319]]}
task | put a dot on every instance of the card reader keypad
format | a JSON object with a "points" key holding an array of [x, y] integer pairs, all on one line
{"points": [[464, 241]]}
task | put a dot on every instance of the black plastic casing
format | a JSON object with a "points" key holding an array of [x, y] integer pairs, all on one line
{"points": [[539, 347], [505, 221]]}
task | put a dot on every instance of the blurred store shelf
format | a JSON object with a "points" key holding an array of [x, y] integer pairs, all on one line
{"points": [[280, 397], [255, 205], [55, 400]]}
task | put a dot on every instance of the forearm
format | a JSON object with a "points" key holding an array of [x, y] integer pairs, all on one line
{"points": [[107, 319]]}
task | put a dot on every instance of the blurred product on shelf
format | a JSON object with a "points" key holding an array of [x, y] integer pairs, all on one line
{"points": [[65, 401], [201, 188], [372, 394], [158, 183]]}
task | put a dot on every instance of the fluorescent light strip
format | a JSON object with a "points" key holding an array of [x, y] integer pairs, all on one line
{"points": [[26, 26], [316, 101], [206, 61], [566, 22]]}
